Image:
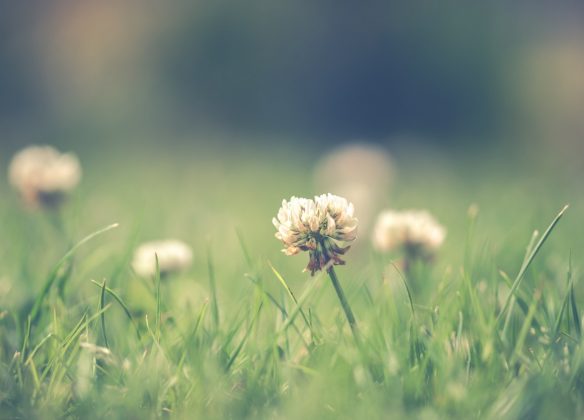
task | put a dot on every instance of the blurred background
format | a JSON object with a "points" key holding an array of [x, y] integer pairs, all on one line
{"points": [[212, 98], [194, 118], [454, 75]]}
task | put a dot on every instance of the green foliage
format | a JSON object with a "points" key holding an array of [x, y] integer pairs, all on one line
{"points": [[244, 333]]}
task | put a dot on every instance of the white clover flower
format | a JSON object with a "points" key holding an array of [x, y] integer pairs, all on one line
{"points": [[320, 226], [44, 176], [173, 256], [414, 231]]}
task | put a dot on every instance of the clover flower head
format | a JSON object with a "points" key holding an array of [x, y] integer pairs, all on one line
{"points": [[414, 231], [44, 176], [173, 256], [322, 226]]}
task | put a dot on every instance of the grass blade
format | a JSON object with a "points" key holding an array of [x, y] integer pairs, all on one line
{"points": [[529, 260], [290, 293], [566, 299], [408, 291], [118, 299], [525, 328], [101, 305], [521, 299], [292, 316], [38, 346], [55, 272], [280, 307], [575, 314], [243, 341], [530, 245]]}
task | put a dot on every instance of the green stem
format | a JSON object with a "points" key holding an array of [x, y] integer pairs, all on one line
{"points": [[344, 303], [58, 222]]}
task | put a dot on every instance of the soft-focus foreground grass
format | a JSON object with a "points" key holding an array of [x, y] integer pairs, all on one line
{"points": [[104, 343]]}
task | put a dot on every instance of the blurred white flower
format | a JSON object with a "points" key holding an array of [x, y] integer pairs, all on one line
{"points": [[43, 175], [173, 256], [320, 226], [361, 172], [414, 231]]}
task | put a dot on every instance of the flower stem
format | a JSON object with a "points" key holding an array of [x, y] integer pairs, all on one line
{"points": [[344, 303]]}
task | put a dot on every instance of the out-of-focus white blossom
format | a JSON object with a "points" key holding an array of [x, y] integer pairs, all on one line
{"points": [[414, 231], [361, 172], [321, 226], [173, 256], [44, 176]]}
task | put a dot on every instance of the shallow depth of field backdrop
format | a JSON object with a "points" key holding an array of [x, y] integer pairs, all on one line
{"points": [[193, 120]]}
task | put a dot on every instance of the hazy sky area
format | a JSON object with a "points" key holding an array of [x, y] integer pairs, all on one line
{"points": [[455, 74]]}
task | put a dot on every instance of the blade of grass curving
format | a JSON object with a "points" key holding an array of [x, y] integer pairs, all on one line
{"points": [[234, 330], [19, 358], [267, 294], [530, 245], [474, 300], [101, 305], [566, 299], [76, 328], [188, 339], [290, 293], [404, 281], [503, 334], [55, 272], [245, 337], [35, 375], [292, 315], [529, 260], [25, 339], [525, 328], [280, 307], [569, 337], [282, 320], [200, 318], [229, 339], [37, 347], [67, 342], [84, 323], [521, 300], [367, 294], [304, 369], [118, 299], [213, 286], [573, 305], [63, 278], [575, 313]]}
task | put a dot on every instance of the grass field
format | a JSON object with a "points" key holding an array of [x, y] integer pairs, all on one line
{"points": [[82, 336]]}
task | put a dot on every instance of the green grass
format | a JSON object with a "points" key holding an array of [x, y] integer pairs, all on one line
{"points": [[245, 333]]}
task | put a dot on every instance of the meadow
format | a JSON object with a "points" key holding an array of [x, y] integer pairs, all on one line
{"points": [[491, 328]]}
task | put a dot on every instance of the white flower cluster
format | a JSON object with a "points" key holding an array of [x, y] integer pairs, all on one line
{"points": [[43, 175], [173, 256], [321, 226], [414, 231]]}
